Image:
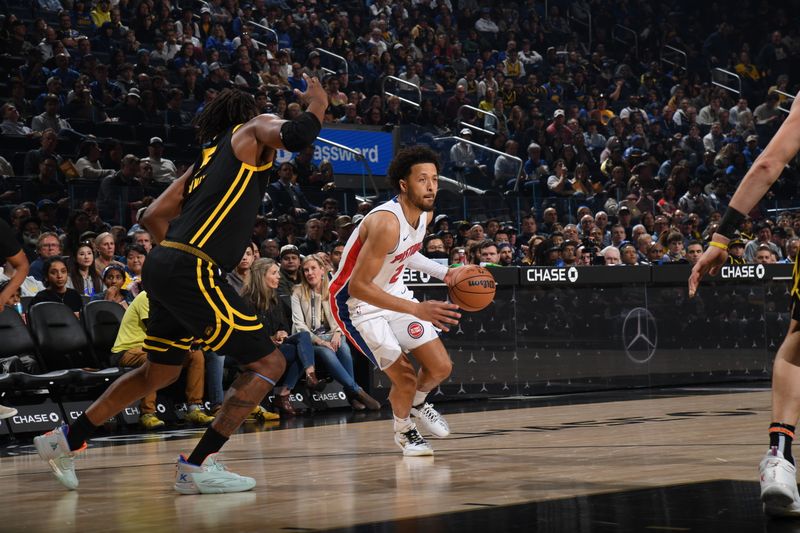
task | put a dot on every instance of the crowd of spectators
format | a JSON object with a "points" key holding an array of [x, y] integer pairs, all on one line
{"points": [[626, 159]]}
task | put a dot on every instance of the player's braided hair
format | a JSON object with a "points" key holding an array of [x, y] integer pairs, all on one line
{"points": [[400, 167], [230, 107]]}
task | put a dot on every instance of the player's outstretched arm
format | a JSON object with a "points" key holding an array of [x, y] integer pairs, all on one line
{"points": [[296, 134], [167, 206], [374, 233], [765, 171]]}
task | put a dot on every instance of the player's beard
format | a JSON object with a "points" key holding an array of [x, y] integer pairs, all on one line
{"points": [[422, 203]]}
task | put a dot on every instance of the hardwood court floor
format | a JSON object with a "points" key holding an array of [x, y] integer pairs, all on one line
{"points": [[685, 463]]}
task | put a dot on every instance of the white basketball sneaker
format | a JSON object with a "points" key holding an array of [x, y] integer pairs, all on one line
{"points": [[211, 477], [779, 486], [7, 412], [412, 443], [54, 449], [430, 420]]}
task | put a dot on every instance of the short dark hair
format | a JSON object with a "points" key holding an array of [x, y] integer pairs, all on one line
{"points": [[400, 167], [138, 248]]}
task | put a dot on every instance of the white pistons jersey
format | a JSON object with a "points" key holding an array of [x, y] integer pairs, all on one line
{"points": [[390, 277], [380, 334]]}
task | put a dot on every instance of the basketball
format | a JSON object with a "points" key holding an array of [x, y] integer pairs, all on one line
{"points": [[473, 288]]}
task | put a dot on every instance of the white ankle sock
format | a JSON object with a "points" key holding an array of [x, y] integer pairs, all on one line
{"points": [[402, 424], [419, 398]]}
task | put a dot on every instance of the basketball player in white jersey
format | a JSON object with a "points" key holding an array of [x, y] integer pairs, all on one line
{"points": [[379, 314]]}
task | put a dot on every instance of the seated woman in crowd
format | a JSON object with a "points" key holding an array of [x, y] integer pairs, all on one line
{"points": [[114, 279], [135, 256], [260, 290], [56, 290], [82, 275], [311, 312], [237, 278], [106, 247]]}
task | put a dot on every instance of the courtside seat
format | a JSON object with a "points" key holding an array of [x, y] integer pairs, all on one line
{"points": [[86, 376], [7, 382], [59, 337], [102, 319], [48, 380], [15, 339]]}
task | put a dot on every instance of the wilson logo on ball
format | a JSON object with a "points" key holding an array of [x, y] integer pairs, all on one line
{"points": [[415, 330], [485, 283]]}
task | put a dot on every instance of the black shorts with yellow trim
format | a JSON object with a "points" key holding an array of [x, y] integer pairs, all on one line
{"points": [[191, 304]]}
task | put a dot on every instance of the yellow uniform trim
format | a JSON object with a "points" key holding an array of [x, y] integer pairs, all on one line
{"points": [[228, 306], [219, 206], [796, 277], [227, 210], [258, 168], [148, 348], [210, 339]]}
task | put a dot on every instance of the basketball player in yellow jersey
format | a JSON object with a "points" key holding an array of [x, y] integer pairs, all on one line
{"points": [[379, 314], [778, 472], [203, 221]]}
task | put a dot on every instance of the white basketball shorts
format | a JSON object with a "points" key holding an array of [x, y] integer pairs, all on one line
{"points": [[383, 335]]}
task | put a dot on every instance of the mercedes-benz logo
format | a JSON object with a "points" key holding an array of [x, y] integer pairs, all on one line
{"points": [[639, 335], [572, 274], [760, 271]]}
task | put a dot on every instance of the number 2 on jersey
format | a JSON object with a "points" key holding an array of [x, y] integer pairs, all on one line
{"points": [[397, 273]]}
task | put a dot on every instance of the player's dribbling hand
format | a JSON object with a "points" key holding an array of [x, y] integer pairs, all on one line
{"points": [[313, 93], [450, 277], [709, 263], [440, 314]]}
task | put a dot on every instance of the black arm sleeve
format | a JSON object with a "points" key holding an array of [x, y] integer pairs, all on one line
{"points": [[298, 133]]}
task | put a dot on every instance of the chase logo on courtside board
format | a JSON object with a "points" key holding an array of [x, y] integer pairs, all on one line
{"points": [[742, 271]]}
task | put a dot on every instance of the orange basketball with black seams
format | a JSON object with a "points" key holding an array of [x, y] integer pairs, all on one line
{"points": [[473, 288]]}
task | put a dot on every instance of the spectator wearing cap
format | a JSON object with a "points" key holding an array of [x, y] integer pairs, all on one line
{"points": [[50, 119], [558, 128], [47, 212], [290, 273], [47, 245], [763, 238], [736, 252], [344, 228], [129, 111], [164, 170], [751, 150]]}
